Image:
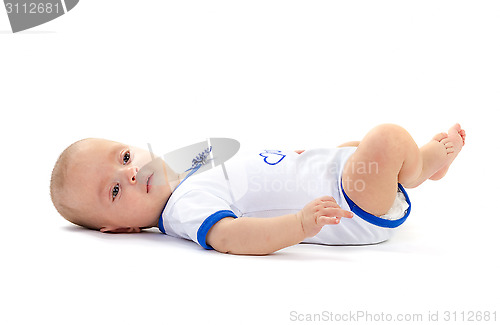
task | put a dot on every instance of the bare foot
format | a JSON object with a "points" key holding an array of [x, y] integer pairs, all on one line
{"points": [[453, 142]]}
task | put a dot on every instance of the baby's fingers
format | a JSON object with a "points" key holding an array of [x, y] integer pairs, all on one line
{"points": [[328, 204], [333, 216], [334, 212], [327, 199], [324, 220], [346, 214]]}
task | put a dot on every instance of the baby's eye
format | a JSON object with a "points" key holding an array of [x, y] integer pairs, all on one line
{"points": [[126, 157], [116, 190]]}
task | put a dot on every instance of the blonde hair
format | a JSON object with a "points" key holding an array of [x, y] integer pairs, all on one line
{"points": [[59, 189]]}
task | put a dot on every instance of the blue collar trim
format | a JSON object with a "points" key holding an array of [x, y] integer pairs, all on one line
{"points": [[160, 225], [193, 170], [160, 221]]}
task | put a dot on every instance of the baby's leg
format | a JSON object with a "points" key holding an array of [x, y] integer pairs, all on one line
{"points": [[387, 156]]}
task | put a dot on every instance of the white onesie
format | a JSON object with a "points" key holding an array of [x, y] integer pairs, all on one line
{"points": [[271, 183]]}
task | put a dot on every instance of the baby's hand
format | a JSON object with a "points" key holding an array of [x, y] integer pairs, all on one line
{"points": [[320, 212]]}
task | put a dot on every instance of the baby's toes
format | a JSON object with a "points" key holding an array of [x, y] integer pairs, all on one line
{"points": [[440, 136], [450, 148], [448, 144], [462, 134]]}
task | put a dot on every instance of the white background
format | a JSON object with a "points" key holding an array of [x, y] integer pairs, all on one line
{"points": [[272, 74]]}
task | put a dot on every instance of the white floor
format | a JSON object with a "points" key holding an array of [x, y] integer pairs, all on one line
{"points": [[272, 74]]}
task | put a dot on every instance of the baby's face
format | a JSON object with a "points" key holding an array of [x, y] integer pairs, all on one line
{"points": [[107, 183]]}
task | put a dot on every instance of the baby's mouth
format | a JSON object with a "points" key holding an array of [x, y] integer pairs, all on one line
{"points": [[151, 175]]}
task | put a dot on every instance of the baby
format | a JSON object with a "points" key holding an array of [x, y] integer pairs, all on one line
{"points": [[258, 203]]}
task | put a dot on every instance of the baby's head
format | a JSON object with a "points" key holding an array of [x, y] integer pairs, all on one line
{"points": [[109, 186]]}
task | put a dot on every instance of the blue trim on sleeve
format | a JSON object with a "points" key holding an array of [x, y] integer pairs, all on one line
{"points": [[377, 221], [208, 223], [160, 224]]}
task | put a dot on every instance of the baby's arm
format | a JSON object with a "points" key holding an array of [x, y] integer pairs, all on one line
{"points": [[261, 236]]}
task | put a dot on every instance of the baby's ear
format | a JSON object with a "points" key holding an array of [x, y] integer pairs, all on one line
{"points": [[121, 230]]}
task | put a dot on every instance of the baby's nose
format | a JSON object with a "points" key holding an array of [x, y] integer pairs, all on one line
{"points": [[132, 174]]}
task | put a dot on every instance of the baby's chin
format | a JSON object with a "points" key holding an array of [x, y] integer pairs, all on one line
{"points": [[154, 209]]}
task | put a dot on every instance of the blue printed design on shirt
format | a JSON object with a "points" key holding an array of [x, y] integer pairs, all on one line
{"points": [[272, 157]]}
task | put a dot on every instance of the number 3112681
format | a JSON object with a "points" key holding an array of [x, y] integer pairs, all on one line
{"points": [[32, 8]]}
